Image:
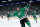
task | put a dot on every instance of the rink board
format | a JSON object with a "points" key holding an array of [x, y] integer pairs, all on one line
{"points": [[15, 18], [29, 17]]}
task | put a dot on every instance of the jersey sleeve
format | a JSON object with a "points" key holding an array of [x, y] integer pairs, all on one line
{"points": [[22, 9], [26, 7], [15, 13], [10, 15]]}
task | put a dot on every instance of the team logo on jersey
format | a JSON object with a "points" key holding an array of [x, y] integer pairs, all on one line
{"points": [[19, 13]]}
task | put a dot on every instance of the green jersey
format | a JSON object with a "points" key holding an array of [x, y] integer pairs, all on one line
{"points": [[19, 13]]}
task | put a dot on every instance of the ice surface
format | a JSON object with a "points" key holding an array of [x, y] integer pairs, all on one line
{"points": [[16, 23]]}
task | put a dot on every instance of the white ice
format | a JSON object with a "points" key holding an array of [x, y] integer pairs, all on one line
{"points": [[16, 23]]}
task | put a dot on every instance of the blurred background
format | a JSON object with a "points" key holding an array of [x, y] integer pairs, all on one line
{"points": [[11, 5]]}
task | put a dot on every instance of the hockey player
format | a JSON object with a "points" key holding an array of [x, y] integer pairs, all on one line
{"points": [[34, 15], [21, 15]]}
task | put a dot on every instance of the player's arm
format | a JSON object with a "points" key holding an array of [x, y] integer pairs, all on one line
{"points": [[15, 13], [27, 7], [10, 15]]}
